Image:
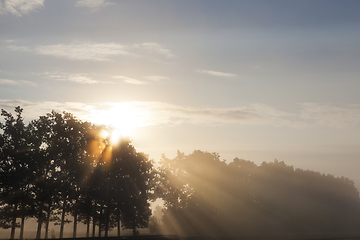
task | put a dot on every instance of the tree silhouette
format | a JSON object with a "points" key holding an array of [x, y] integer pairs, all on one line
{"points": [[63, 167], [128, 175], [15, 169], [206, 196], [192, 188]]}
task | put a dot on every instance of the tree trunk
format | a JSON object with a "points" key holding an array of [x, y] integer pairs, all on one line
{"points": [[62, 221], [118, 223], [13, 223], [75, 221], [13, 226], [100, 215], [94, 225], [22, 227], [47, 222], [40, 219], [38, 233], [87, 225], [107, 221]]}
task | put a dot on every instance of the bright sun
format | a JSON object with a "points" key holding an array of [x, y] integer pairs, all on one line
{"points": [[123, 117]]}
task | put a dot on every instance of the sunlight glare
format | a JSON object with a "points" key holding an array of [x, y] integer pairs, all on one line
{"points": [[104, 134], [124, 117]]}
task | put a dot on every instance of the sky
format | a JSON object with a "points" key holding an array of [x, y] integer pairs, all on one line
{"points": [[257, 80]]}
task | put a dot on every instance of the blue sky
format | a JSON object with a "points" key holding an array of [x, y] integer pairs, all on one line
{"points": [[257, 80]]}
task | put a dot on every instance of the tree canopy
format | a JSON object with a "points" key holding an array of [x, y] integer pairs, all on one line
{"points": [[57, 166], [206, 196]]}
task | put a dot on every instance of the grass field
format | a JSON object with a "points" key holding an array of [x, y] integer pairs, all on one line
{"points": [[247, 237]]}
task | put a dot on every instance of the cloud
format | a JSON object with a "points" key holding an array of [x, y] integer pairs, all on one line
{"points": [[141, 82], [32, 110], [79, 50], [155, 113], [218, 74], [16, 82], [130, 80], [78, 78], [93, 5], [331, 116], [19, 48], [156, 48], [20, 7], [8, 40], [157, 78], [83, 51], [217, 116], [160, 113], [270, 111], [252, 114], [7, 82]]}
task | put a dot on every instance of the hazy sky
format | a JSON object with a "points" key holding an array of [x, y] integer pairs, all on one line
{"points": [[257, 80]]}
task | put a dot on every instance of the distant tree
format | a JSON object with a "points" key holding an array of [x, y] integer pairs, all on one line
{"points": [[205, 196], [155, 221], [154, 226], [192, 187]]}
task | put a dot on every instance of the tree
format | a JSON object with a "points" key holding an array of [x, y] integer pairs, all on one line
{"points": [[206, 196], [155, 222], [59, 164], [192, 187], [16, 172], [129, 184]]}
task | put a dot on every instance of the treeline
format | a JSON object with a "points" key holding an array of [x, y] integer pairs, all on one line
{"points": [[57, 166], [204, 195]]}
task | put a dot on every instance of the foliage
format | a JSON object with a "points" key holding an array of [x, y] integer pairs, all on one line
{"points": [[206, 196], [57, 164]]}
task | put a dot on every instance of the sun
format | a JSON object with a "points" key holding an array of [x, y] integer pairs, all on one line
{"points": [[123, 117]]}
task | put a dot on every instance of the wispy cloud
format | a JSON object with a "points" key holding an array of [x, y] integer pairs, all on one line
{"points": [[218, 74], [216, 115], [9, 41], [252, 114], [157, 113], [79, 50], [130, 80], [93, 5], [33, 110], [331, 116], [20, 7], [78, 78], [157, 78], [83, 51], [154, 48], [16, 82], [19, 48], [160, 113], [141, 82]]}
